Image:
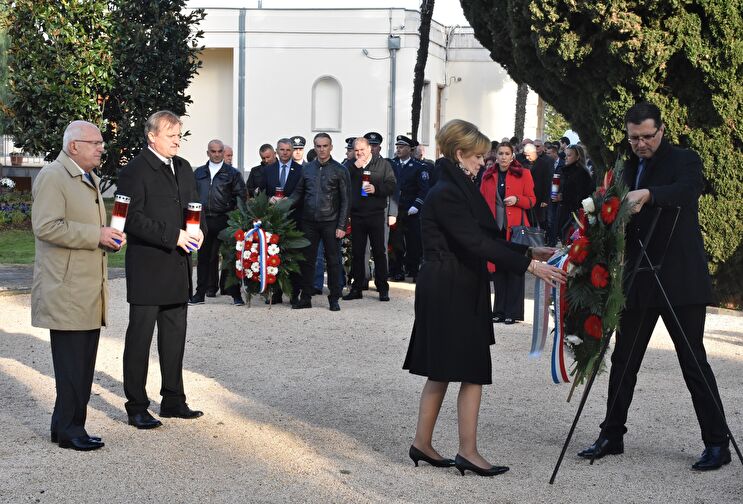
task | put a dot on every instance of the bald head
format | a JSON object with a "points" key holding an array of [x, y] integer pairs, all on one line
{"points": [[83, 143]]}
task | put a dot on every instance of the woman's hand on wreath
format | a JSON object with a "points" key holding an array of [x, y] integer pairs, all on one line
{"points": [[550, 274], [542, 253]]}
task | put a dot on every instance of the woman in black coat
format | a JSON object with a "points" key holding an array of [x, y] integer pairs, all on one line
{"points": [[576, 184], [453, 329]]}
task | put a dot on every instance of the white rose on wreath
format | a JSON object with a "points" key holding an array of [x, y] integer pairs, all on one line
{"points": [[255, 267], [254, 247], [273, 249], [588, 205], [249, 274], [238, 265], [246, 254], [272, 270], [239, 245]]}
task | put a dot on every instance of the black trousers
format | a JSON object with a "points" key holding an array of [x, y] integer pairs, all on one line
{"points": [[637, 326], [171, 341], [509, 294], [207, 267], [369, 228], [73, 357], [407, 247], [314, 231]]}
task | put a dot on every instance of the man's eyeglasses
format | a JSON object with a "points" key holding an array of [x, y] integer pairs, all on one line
{"points": [[96, 143], [634, 140]]}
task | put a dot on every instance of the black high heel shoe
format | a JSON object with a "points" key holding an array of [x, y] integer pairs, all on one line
{"points": [[463, 464], [416, 455]]}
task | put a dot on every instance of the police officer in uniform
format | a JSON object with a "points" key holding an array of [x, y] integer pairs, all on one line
{"points": [[375, 141], [412, 186], [298, 143]]}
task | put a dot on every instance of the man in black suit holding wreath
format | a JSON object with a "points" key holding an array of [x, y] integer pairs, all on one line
{"points": [[662, 175]]}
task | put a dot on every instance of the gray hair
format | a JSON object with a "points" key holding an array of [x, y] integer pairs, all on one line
{"points": [[155, 121], [216, 141], [361, 140], [73, 132], [530, 148], [284, 141]]}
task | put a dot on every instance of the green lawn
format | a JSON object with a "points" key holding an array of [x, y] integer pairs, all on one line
{"points": [[17, 246]]}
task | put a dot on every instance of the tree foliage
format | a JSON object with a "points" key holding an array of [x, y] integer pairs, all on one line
{"points": [[593, 60], [555, 125], [110, 62], [522, 93]]}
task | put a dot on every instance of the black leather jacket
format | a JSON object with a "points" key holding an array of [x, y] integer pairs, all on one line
{"points": [[219, 196], [325, 192]]}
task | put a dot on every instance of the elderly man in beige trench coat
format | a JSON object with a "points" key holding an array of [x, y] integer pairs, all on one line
{"points": [[69, 289]]}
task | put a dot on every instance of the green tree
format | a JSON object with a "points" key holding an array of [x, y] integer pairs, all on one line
{"points": [[420, 64], [3, 74], [555, 125], [522, 93], [58, 64], [155, 54], [111, 62], [593, 60]]}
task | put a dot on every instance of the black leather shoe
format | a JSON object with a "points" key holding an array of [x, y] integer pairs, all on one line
{"points": [[334, 306], [384, 296], [294, 300], [195, 299], [416, 455], [497, 319], [463, 464], [509, 321], [238, 301], [353, 294], [144, 421], [602, 447], [303, 303], [83, 443], [713, 457], [55, 438], [180, 412]]}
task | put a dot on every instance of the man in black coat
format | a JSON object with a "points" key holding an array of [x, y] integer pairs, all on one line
{"points": [[158, 268], [665, 176], [541, 173], [368, 217], [323, 190], [256, 176], [219, 185], [284, 174]]}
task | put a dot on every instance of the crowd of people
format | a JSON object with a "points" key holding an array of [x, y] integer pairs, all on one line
{"points": [[449, 225]]}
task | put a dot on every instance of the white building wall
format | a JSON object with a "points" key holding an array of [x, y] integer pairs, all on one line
{"points": [[288, 50]]}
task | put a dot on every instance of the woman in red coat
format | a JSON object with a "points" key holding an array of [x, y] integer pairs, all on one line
{"points": [[508, 189]]}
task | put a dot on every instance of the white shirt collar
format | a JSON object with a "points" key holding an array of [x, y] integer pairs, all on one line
{"points": [[160, 156]]}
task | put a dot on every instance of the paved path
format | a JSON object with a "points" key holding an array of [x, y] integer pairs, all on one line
{"points": [[313, 406], [17, 278]]}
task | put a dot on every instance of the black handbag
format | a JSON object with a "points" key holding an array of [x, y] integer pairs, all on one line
{"points": [[527, 235]]}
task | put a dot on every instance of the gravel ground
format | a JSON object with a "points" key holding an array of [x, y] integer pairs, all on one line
{"points": [[313, 406]]}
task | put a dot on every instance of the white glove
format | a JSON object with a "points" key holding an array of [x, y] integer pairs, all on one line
{"points": [[412, 210]]}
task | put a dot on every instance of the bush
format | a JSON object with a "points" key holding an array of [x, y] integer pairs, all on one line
{"points": [[15, 210]]}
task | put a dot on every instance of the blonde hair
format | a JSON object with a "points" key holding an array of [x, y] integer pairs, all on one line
{"points": [[461, 135]]}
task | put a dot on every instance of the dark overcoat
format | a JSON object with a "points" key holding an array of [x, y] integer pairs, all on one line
{"points": [[158, 272], [674, 178], [453, 327]]}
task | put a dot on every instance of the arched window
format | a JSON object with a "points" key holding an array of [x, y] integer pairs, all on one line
{"points": [[326, 104]]}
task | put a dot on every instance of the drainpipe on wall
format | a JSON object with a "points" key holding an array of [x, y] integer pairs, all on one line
{"points": [[393, 44], [241, 94]]}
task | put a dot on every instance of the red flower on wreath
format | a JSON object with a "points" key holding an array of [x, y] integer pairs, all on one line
{"points": [[609, 210], [599, 276], [593, 326], [239, 235], [273, 260], [274, 239], [579, 250], [270, 279]]}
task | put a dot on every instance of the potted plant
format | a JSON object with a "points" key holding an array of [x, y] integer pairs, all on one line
{"points": [[16, 158]]}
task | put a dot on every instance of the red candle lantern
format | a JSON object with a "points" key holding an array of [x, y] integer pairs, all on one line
{"points": [[193, 219], [118, 215]]}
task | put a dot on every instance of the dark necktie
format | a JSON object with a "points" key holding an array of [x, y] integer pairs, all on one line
{"points": [[282, 175], [90, 178], [640, 169]]}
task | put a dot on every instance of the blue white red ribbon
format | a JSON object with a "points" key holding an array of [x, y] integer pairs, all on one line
{"points": [[258, 231], [559, 371], [541, 317]]}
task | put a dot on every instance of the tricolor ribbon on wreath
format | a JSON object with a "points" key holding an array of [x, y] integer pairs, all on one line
{"points": [[262, 265], [543, 294]]}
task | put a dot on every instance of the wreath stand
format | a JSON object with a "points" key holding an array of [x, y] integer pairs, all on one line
{"points": [[654, 268]]}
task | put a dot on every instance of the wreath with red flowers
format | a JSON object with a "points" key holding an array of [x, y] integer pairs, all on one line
{"points": [[595, 296], [283, 245]]}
